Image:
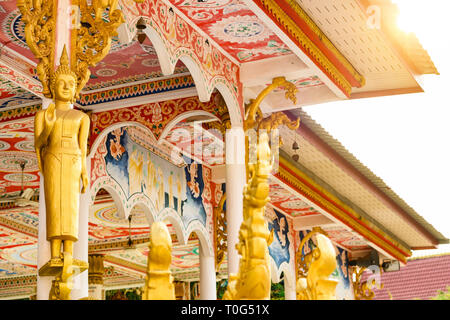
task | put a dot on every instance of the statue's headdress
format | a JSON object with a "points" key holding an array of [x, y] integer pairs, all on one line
{"points": [[63, 68]]}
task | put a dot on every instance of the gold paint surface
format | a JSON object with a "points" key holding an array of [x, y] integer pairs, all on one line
{"points": [[159, 281], [314, 269], [252, 282]]}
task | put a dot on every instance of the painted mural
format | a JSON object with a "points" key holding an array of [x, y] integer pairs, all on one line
{"points": [[279, 248], [193, 207], [344, 290], [125, 159], [137, 170], [234, 27]]}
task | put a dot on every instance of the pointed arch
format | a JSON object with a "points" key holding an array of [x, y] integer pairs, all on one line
{"points": [[204, 238], [182, 117], [145, 203], [114, 191], [115, 126], [233, 107], [172, 216], [197, 74]]}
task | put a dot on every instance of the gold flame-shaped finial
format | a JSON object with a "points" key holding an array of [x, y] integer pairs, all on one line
{"points": [[64, 60]]}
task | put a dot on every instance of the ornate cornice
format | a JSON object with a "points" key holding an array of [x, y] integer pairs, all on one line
{"points": [[306, 186], [90, 99], [20, 112], [19, 227], [288, 15]]}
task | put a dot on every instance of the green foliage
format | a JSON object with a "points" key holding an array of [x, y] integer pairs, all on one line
{"points": [[124, 294], [442, 295], [221, 287], [277, 291]]}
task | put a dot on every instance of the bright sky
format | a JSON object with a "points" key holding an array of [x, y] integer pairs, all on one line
{"points": [[404, 139]]}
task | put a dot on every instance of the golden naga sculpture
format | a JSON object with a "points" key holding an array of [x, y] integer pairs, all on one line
{"points": [[363, 290], [90, 39], [40, 21], [252, 282], [159, 281], [314, 269], [93, 40], [253, 115], [60, 141], [253, 278], [220, 228]]}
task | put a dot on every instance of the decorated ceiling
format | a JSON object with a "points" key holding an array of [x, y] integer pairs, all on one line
{"points": [[234, 27], [16, 147], [125, 63]]}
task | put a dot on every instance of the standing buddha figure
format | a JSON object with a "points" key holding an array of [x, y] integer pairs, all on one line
{"points": [[61, 141]]}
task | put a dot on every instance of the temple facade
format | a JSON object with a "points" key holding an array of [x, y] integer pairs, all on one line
{"points": [[177, 94]]}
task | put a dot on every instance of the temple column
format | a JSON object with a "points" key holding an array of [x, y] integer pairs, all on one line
{"points": [[289, 290], [81, 247], [43, 250], [207, 277], [96, 271], [62, 36], [54, 25], [235, 181]]}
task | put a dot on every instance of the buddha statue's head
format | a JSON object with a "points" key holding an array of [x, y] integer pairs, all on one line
{"points": [[64, 81]]}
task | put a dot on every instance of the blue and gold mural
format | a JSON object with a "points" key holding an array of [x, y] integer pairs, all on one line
{"points": [[279, 248], [137, 170], [344, 289], [193, 207]]}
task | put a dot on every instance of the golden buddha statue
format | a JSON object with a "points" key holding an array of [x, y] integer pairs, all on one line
{"points": [[61, 141]]}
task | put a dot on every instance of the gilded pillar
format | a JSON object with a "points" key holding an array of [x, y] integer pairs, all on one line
{"points": [[96, 272]]}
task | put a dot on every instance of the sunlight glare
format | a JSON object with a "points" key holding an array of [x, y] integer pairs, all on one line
{"points": [[410, 13]]}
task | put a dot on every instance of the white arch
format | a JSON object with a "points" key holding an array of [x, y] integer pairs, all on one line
{"points": [[197, 74], [145, 203], [115, 126], [204, 239], [286, 268], [164, 56], [290, 278], [181, 117], [168, 63], [171, 215], [111, 187], [232, 104], [289, 273], [274, 276]]}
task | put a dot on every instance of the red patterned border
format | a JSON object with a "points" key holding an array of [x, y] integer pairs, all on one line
{"points": [[181, 39], [154, 116]]}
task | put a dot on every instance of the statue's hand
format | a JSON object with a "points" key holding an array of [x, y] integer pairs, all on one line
{"points": [[85, 181], [50, 114]]}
